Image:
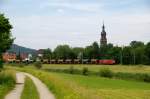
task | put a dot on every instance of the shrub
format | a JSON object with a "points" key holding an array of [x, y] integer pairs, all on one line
{"points": [[146, 77], [71, 70], [105, 72], [85, 71], [38, 65]]}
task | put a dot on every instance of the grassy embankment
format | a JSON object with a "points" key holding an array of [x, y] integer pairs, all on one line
{"points": [[7, 82], [66, 86], [29, 91]]}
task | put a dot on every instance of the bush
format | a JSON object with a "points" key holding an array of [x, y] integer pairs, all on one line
{"points": [[71, 70], [38, 65], [105, 72], [85, 71], [146, 77]]}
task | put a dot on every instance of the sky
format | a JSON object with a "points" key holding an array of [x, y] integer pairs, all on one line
{"points": [[42, 24]]}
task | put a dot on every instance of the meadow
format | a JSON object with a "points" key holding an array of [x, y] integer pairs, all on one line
{"points": [[72, 86]]}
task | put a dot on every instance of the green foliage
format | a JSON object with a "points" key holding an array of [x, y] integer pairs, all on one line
{"points": [[38, 65], [77, 50], [91, 51], [29, 91], [5, 36], [147, 52], [63, 52], [105, 72], [135, 44], [135, 53], [71, 70], [47, 54], [127, 55], [85, 71]]}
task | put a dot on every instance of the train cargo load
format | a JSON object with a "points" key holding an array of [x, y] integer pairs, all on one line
{"points": [[106, 61]]}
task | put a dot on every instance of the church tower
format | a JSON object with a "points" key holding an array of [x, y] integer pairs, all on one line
{"points": [[103, 40]]}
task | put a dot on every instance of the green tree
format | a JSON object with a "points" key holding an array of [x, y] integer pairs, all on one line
{"points": [[135, 44], [147, 53], [63, 52], [91, 51], [95, 50], [6, 39], [77, 51], [47, 54], [127, 56], [116, 54], [137, 50], [88, 52]]}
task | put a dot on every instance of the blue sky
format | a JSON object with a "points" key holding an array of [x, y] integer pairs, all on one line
{"points": [[48, 23]]}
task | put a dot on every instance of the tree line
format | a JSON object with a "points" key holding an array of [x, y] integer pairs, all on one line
{"points": [[135, 53]]}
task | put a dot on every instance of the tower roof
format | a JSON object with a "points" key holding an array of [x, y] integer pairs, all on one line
{"points": [[103, 39], [103, 28]]}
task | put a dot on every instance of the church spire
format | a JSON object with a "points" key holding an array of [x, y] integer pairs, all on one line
{"points": [[103, 25], [103, 40]]}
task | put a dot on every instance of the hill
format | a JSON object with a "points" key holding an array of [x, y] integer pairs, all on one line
{"points": [[16, 48]]}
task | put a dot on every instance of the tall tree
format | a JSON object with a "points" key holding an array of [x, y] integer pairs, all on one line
{"points": [[63, 52], [126, 55], [6, 39], [47, 54], [135, 44], [77, 51], [147, 52], [96, 50]]}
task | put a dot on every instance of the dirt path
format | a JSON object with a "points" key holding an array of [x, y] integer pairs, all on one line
{"points": [[43, 91], [16, 93]]}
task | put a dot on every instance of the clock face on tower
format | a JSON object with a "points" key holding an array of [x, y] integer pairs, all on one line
{"points": [[103, 39]]}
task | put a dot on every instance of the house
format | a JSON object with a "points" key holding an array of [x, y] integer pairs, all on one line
{"points": [[40, 52], [9, 57], [23, 56]]}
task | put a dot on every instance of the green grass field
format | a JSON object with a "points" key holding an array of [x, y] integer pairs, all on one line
{"points": [[29, 91], [114, 68], [67, 86], [110, 88]]}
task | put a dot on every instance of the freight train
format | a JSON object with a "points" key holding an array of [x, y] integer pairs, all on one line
{"points": [[71, 61]]}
